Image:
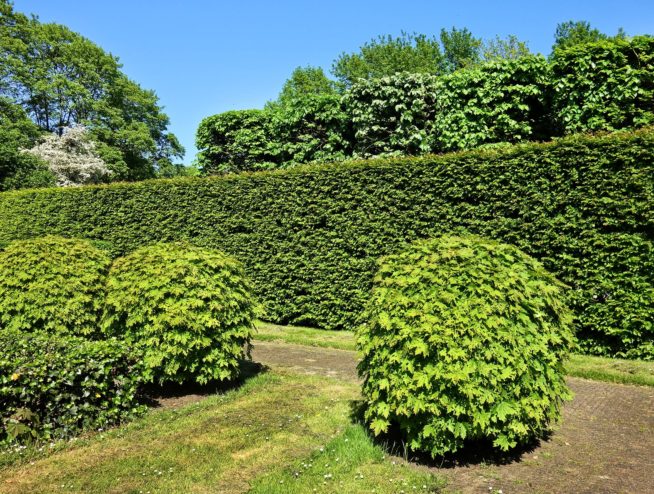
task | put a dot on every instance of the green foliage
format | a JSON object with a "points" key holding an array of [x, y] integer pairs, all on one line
{"points": [[599, 86], [504, 101], [415, 114], [386, 55], [304, 82], [52, 284], [394, 114], [52, 386], [235, 141], [309, 236], [510, 48], [464, 339], [604, 86], [461, 49], [17, 169], [572, 33], [61, 78], [310, 128], [189, 310]]}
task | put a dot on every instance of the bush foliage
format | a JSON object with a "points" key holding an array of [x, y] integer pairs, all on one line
{"points": [[310, 236], [464, 339], [503, 101], [393, 115], [189, 310], [605, 85], [235, 141], [52, 386], [52, 284]]}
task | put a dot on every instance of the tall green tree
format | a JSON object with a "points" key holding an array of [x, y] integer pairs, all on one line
{"points": [[509, 48], [18, 132], [61, 78], [304, 82], [386, 55], [573, 33], [452, 50], [461, 48]]}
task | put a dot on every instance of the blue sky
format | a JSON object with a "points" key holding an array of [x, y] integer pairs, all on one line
{"points": [[205, 57]]}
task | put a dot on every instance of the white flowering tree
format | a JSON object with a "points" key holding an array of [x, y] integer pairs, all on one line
{"points": [[72, 157]]}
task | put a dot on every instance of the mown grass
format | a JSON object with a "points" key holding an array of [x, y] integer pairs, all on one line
{"points": [[255, 436], [636, 372], [350, 463], [342, 340]]}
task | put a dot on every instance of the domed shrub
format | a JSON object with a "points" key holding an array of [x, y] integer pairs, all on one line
{"points": [[189, 310], [52, 284], [464, 339]]}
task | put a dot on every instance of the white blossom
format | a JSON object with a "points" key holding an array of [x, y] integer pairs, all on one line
{"points": [[72, 157]]}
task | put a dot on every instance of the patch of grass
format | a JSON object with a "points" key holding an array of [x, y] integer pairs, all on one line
{"points": [[611, 370], [636, 372], [224, 443], [349, 463], [342, 340]]}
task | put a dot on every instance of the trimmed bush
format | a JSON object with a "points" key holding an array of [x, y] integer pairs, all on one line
{"points": [[607, 85], [52, 284], [464, 339], [497, 102], [601, 86], [235, 141], [310, 237], [393, 115], [189, 310], [52, 386]]}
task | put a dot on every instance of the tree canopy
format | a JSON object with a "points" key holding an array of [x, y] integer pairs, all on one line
{"points": [[571, 33], [61, 79], [452, 50]]}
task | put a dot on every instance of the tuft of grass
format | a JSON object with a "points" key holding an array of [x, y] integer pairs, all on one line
{"points": [[349, 463], [612, 370]]}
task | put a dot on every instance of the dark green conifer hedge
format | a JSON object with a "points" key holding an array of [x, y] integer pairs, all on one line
{"points": [[309, 237]]}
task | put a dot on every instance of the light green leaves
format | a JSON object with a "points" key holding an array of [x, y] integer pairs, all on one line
{"points": [[52, 284], [468, 346], [189, 310]]}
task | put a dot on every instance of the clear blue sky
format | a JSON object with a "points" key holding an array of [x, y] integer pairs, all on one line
{"points": [[204, 57]]}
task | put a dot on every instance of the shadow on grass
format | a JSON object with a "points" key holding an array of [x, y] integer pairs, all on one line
{"points": [[175, 395], [474, 452]]}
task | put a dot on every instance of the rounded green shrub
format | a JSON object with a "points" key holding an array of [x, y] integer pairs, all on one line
{"points": [[52, 284], [464, 340], [189, 310]]}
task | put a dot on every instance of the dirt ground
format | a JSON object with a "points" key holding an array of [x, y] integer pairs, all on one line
{"points": [[605, 443]]}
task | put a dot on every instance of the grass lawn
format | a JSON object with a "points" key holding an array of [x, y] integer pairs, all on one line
{"points": [[597, 368], [278, 433]]}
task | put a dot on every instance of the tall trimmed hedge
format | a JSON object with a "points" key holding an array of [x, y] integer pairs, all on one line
{"points": [[602, 86], [309, 237]]}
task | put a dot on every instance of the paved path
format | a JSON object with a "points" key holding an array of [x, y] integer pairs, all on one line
{"points": [[605, 443]]}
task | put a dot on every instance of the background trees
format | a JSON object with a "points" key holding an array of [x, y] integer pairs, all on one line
{"points": [[510, 97], [61, 79]]}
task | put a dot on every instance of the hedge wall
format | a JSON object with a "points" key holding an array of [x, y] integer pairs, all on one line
{"points": [[310, 236]]}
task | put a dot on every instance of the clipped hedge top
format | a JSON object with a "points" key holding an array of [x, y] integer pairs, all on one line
{"points": [[464, 338], [52, 284]]}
